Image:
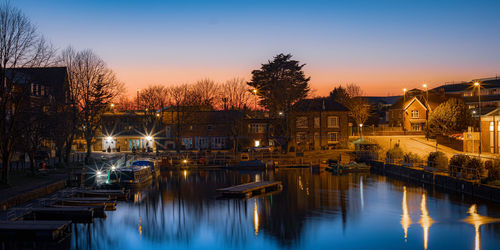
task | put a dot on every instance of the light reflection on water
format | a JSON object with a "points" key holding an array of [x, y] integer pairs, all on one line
{"points": [[314, 211]]}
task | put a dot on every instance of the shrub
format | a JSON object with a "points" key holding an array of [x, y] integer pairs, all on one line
{"points": [[493, 167], [395, 153], [437, 160], [474, 167], [411, 158], [457, 162]]}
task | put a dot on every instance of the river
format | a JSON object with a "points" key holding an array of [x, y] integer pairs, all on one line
{"points": [[182, 210]]}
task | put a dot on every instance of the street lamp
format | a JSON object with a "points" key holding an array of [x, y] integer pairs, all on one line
{"points": [[254, 91], [402, 110], [427, 111], [478, 85], [361, 130]]}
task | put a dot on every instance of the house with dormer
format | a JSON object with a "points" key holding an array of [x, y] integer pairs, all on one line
{"points": [[412, 111]]}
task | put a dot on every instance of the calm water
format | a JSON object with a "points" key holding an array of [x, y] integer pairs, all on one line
{"points": [[314, 211]]}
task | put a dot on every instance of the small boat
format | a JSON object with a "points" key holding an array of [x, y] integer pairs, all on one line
{"points": [[132, 176], [251, 164], [351, 167], [155, 168]]}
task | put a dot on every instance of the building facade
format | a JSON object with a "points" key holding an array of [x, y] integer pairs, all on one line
{"points": [[319, 123]]}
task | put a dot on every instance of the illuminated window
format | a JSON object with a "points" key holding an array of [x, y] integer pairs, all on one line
{"points": [[301, 122], [333, 137], [333, 121], [414, 114]]}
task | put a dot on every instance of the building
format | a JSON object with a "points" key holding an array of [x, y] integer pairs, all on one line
{"points": [[412, 111], [318, 123], [44, 92], [202, 129], [490, 132], [129, 130], [490, 93]]}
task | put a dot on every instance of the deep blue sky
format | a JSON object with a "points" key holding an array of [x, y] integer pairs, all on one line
{"points": [[381, 45]]}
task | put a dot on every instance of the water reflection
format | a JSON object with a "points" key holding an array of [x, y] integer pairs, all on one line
{"points": [[314, 211], [405, 218], [425, 220], [256, 218], [477, 221]]}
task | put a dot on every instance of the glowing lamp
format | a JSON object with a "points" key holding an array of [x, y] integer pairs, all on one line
{"points": [[149, 138]]}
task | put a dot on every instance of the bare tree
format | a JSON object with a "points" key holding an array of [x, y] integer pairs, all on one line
{"points": [[352, 98], [154, 97], [20, 46], [207, 91], [237, 94], [93, 87]]}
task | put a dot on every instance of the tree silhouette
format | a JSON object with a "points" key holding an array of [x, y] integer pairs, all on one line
{"points": [[280, 83]]}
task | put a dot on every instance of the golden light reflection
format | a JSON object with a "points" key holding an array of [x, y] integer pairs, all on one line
{"points": [[425, 220], [301, 186], [185, 174], [405, 218], [137, 197], [140, 226], [256, 218], [477, 221]]}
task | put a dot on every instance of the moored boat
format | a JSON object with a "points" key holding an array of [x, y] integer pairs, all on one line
{"points": [[132, 176]]}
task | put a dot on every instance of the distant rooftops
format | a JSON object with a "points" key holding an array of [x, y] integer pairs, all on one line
{"points": [[319, 104]]}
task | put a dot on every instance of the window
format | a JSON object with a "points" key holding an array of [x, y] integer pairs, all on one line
{"points": [[333, 137], [333, 122], [416, 127], [301, 136], [414, 114], [209, 127], [301, 122], [316, 122], [257, 128], [492, 137]]}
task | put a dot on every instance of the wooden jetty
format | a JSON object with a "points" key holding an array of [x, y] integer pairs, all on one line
{"points": [[75, 214], [98, 210], [34, 230], [110, 205], [250, 189], [110, 194]]}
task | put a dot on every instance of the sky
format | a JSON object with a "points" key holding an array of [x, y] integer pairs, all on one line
{"points": [[381, 45]]}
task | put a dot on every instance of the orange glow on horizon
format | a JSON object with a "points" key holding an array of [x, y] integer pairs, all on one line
{"points": [[373, 82]]}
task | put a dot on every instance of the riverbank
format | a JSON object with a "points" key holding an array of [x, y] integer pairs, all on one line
{"points": [[441, 180]]}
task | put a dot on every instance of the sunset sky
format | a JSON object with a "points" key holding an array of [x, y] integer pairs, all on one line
{"points": [[381, 45]]}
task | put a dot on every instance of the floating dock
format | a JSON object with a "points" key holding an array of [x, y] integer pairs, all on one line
{"points": [[34, 230], [251, 189], [110, 205], [111, 194], [75, 214]]}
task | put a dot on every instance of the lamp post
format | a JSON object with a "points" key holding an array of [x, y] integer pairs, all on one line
{"points": [[361, 130], [403, 111], [478, 85], [254, 91], [427, 111]]}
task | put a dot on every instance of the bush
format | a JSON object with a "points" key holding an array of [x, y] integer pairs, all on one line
{"points": [[457, 162], [493, 168], [395, 153], [437, 160], [474, 168], [411, 158]]}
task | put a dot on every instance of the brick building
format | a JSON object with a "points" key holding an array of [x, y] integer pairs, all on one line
{"points": [[319, 123]]}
